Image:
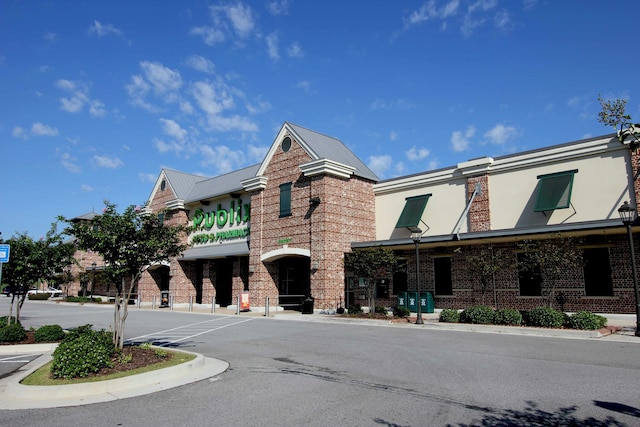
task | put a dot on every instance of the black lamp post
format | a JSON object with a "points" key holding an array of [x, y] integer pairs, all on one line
{"points": [[93, 278], [416, 235], [627, 214]]}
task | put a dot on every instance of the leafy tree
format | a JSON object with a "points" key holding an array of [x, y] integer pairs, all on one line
{"points": [[33, 262], [485, 264], [129, 243], [613, 113], [374, 264], [555, 257]]}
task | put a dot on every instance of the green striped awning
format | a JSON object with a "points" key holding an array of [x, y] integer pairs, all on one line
{"points": [[554, 191], [412, 212]]}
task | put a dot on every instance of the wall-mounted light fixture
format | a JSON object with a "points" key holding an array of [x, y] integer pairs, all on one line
{"points": [[314, 201]]}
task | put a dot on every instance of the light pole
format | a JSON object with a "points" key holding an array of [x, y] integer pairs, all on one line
{"points": [[93, 279], [627, 214], [416, 235]]}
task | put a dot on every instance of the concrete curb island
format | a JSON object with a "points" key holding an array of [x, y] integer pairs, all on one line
{"points": [[14, 395]]}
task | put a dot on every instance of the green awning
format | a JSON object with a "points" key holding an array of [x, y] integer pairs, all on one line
{"points": [[554, 191], [412, 212]]}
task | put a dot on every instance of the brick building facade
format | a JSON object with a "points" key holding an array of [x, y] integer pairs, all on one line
{"points": [[281, 228]]}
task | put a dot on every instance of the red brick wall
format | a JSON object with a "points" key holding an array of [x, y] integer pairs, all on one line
{"points": [[479, 213]]}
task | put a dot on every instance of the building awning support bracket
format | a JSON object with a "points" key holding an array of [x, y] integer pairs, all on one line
{"points": [[476, 192]]}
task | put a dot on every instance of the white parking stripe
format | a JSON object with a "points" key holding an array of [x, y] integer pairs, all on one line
{"points": [[173, 335]]}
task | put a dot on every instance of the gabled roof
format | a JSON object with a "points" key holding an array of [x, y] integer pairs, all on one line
{"points": [[85, 217], [217, 186], [181, 183], [320, 147]]}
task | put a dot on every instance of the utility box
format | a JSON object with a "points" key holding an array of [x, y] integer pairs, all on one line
{"points": [[164, 299]]}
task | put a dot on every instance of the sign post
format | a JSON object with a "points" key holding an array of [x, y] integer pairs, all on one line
{"points": [[4, 257]]}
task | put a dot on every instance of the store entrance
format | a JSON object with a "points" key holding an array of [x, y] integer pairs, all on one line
{"points": [[224, 281], [293, 278]]}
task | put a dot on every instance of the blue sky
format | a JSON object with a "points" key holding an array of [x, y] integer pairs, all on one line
{"points": [[97, 97]]}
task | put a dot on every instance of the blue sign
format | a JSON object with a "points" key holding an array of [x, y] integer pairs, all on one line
{"points": [[4, 253]]}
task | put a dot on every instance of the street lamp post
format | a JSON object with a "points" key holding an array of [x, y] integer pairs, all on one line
{"points": [[627, 214], [416, 235], [93, 279]]}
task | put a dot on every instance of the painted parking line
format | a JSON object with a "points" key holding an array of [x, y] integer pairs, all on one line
{"points": [[185, 332], [20, 358]]}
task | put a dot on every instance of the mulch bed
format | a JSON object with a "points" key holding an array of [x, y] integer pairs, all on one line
{"points": [[140, 357]]}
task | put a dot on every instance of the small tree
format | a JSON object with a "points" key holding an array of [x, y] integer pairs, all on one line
{"points": [[485, 264], [613, 113], [129, 243], [555, 257], [375, 264], [33, 262]]}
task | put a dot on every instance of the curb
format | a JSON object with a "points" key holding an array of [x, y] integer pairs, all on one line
{"points": [[19, 396]]}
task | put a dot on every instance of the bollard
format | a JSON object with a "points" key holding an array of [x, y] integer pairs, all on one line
{"points": [[238, 305], [153, 303], [266, 307], [190, 303], [213, 304], [171, 302]]}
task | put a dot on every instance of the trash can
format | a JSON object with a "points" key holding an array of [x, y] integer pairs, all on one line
{"points": [[307, 305], [164, 298], [426, 302], [412, 301], [402, 299]]}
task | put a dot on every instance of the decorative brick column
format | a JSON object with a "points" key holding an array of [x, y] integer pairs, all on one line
{"points": [[479, 213]]}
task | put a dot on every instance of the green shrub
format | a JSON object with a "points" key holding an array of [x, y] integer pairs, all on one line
{"points": [[381, 310], [4, 320], [507, 316], [449, 315], [355, 309], [49, 333], [77, 299], [545, 317], [82, 352], [12, 333], [478, 314], [587, 320], [39, 297], [401, 312]]}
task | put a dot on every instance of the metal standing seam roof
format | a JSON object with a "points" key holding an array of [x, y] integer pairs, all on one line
{"points": [[220, 185], [181, 183], [327, 147]]}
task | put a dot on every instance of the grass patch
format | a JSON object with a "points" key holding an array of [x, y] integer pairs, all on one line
{"points": [[42, 376]]}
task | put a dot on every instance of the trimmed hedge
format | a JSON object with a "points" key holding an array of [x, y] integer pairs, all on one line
{"points": [[401, 312], [49, 333], [478, 314], [449, 315], [545, 317], [508, 316], [587, 320], [82, 352], [12, 333]]}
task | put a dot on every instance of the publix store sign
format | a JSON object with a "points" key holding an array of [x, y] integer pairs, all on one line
{"points": [[225, 222]]}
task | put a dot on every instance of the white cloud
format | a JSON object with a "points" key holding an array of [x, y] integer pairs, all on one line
{"points": [[18, 132], [102, 30], [379, 164], [173, 129], [157, 80], [147, 177], [258, 106], [272, 46], [106, 162], [214, 99], [500, 134], [417, 153], [70, 163], [79, 98], [210, 36], [400, 103], [279, 7], [227, 20], [460, 141], [86, 188], [224, 159], [50, 37], [295, 50], [257, 154], [429, 10], [40, 129], [393, 135], [201, 63]]}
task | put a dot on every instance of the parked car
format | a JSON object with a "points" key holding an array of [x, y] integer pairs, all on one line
{"points": [[6, 291], [53, 291]]}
